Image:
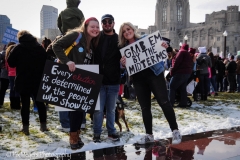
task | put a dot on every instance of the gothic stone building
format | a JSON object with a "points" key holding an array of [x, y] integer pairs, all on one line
{"points": [[172, 18]]}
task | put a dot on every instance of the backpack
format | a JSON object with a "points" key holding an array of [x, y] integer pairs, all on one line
{"points": [[201, 61]]}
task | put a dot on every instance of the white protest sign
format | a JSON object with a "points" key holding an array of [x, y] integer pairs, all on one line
{"points": [[191, 86], [214, 51], [92, 68], [238, 52], [144, 53]]}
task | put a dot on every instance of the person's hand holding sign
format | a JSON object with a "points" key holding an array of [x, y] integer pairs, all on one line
{"points": [[164, 44], [123, 61], [71, 66]]}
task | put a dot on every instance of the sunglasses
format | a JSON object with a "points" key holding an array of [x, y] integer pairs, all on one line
{"points": [[105, 22]]}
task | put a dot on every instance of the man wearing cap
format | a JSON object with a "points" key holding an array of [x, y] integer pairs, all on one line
{"points": [[107, 55]]}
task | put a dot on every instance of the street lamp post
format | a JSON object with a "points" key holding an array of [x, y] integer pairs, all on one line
{"points": [[185, 38], [225, 41]]}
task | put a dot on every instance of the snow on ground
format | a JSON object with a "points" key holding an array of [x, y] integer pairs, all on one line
{"points": [[218, 112]]}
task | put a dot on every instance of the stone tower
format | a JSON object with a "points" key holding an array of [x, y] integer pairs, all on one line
{"points": [[172, 16]]}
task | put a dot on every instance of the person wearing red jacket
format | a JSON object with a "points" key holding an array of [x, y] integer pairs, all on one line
{"points": [[182, 65], [14, 96]]}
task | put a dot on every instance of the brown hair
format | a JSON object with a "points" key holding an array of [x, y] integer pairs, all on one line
{"points": [[9, 48], [83, 29]]}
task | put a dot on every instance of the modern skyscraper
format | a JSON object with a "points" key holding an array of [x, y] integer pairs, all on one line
{"points": [[48, 18], [4, 23]]}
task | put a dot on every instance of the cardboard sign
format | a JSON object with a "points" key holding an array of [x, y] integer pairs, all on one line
{"points": [[90, 68], [76, 90], [10, 35], [214, 51], [144, 53]]}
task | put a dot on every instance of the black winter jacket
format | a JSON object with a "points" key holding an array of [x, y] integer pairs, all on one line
{"points": [[29, 58], [109, 64]]}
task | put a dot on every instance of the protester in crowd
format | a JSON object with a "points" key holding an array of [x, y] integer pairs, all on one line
{"points": [[212, 79], [220, 72], [182, 65], [238, 73], [225, 81], [14, 96], [231, 74], [147, 81], [108, 56], [29, 59], [4, 80], [71, 17], [203, 62], [89, 39]]}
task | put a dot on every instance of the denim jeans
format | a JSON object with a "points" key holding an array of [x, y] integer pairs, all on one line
{"points": [[84, 118], [213, 82], [145, 83], [238, 82], [64, 119], [13, 93], [108, 97], [179, 81]]}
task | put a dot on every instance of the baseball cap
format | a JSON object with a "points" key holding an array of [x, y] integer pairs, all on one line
{"points": [[105, 16]]}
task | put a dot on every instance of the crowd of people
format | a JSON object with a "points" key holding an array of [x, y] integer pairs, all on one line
{"points": [[23, 66]]}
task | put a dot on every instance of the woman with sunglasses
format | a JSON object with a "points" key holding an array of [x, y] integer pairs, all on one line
{"points": [[150, 80], [79, 54]]}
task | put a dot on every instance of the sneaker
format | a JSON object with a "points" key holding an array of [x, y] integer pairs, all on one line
{"points": [[177, 138], [113, 137], [35, 109], [60, 128], [96, 139], [146, 139], [83, 126]]}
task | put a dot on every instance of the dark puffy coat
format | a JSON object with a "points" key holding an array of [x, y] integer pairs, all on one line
{"points": [[29, 58], [71, 17]]}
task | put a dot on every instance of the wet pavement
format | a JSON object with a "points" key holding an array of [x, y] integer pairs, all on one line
{"points": [[221, 144]]}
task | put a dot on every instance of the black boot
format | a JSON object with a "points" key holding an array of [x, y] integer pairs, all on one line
{"points": [[25, 129], [43, 127]]}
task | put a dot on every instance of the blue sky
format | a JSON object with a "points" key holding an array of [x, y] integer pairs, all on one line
{"points": [[25, 14]]}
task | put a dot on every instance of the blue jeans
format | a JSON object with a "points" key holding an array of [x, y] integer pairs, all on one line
{"points": [[179, 81], [13, 93], [64, 119], [238, 82], [212, 84], [108, 97]]}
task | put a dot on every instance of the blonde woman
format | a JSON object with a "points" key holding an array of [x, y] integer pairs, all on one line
{"points": [[150, 80]]}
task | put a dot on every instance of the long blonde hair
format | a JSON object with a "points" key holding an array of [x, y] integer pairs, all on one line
{"points": [[9, 48], [83, 29], [121, 39]]}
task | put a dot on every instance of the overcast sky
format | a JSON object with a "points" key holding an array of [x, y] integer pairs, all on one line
{"points": [[25, 14]]}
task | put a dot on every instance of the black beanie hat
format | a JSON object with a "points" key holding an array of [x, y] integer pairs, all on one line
{"points": [[169, 49]]}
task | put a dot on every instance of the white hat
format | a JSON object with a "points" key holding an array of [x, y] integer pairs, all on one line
{"points": [[202, 49]]}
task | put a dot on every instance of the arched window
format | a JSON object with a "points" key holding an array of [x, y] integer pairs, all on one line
{"points": [[179, 11], [164, 14]]}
